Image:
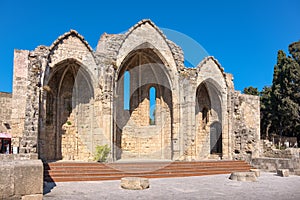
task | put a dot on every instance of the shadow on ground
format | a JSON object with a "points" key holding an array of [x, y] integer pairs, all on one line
{"points": [[48, 186]]}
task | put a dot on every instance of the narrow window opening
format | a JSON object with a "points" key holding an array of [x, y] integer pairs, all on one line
{"points": [[204, 117], [152, 99], [126, 90]]}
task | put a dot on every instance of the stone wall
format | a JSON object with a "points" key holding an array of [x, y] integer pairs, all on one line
{"points": [[269, 150], [273, 164], [272, 159], [21, 178], [73, 146], [5, 112], [246, 126]]}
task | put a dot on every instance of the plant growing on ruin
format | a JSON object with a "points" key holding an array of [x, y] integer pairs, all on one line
{"points": [[102, 152]]}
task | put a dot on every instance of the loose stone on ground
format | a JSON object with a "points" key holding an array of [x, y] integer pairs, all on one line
{"points": [[283, 172], [135, 183], [243, 176]]}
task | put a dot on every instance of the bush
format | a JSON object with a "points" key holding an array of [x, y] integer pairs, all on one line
{"points": [[102, 152]]}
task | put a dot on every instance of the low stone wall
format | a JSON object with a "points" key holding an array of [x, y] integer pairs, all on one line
{"points": [[246, 127], [273, 164], [20, 177], [286, 153]]}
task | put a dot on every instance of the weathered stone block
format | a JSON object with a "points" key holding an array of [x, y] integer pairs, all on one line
{"points": [[243, 176], [135, 183], [297, 172], [20, 178], [29, 175], [33, 197], [6, 180], [256, 171], [283, 172]]}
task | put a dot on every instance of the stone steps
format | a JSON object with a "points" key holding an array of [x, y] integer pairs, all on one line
{"points": [[75, 171]]}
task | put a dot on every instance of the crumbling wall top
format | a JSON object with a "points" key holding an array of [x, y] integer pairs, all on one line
{"points": [[66, 35]]}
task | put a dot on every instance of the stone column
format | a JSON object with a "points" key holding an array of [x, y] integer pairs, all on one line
{"points": [[37, 61], [20, 83]]}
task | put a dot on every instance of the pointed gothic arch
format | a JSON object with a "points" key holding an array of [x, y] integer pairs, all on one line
{"points": [[147, 70], [68, 98]]}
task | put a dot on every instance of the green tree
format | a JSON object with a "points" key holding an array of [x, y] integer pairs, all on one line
{"points": [[294, 50], [265, 111], [251, 90], [284, 96]]}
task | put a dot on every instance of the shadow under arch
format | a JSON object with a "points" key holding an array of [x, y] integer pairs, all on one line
{"points": [[134, 137], [216, 138], [68, 93]]}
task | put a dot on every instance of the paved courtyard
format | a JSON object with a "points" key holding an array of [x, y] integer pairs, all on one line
{"points": [[269, 186]]}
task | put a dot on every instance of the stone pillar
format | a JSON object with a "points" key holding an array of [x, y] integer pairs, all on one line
{"points": [[187, 129], [20, 83], [37, 61]]}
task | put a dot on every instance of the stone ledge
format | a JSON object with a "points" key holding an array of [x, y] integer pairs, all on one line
{"points": [[11, 157], [243, 176], [33, 197], [23, 179], [135, 183]]}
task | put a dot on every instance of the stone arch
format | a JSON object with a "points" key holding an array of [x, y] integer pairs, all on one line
{"points": [[210, 68], [135, 137], [71, 46], [154, 57], [210, 72], [146, 32], [209, 103], [67, 122]]}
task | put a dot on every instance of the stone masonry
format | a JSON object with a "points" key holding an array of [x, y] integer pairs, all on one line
{"points": [[5, 112], [69, 98]]}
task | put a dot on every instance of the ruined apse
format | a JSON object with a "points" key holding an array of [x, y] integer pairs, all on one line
{"points": [[132, 93]]}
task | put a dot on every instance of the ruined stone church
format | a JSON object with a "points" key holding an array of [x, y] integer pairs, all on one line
{"points": [[132, 93]]}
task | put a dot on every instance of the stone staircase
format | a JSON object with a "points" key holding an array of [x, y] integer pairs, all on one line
{"points": [[92, 171]]}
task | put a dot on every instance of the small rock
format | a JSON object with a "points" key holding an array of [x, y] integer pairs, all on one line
{"points": [[283, 172], [256, 171], [135, 183], [243, 176]]}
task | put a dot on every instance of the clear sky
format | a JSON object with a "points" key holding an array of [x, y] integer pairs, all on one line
{"points": [[244, 36]]}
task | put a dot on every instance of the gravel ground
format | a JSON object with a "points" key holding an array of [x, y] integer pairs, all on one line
{"points": [[269, 186]]}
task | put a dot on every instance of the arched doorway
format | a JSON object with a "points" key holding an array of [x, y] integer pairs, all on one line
{"points": [[68, 117], [208, 113], [142, 131]]}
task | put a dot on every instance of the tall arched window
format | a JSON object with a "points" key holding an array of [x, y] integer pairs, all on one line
{"points": [[152, 107], [126, 90]]}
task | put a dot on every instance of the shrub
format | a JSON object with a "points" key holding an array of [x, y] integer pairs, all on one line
{"points": [[102, 152]]}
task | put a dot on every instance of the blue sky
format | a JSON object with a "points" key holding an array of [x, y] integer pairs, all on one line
{"points": [[244, 36]]}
